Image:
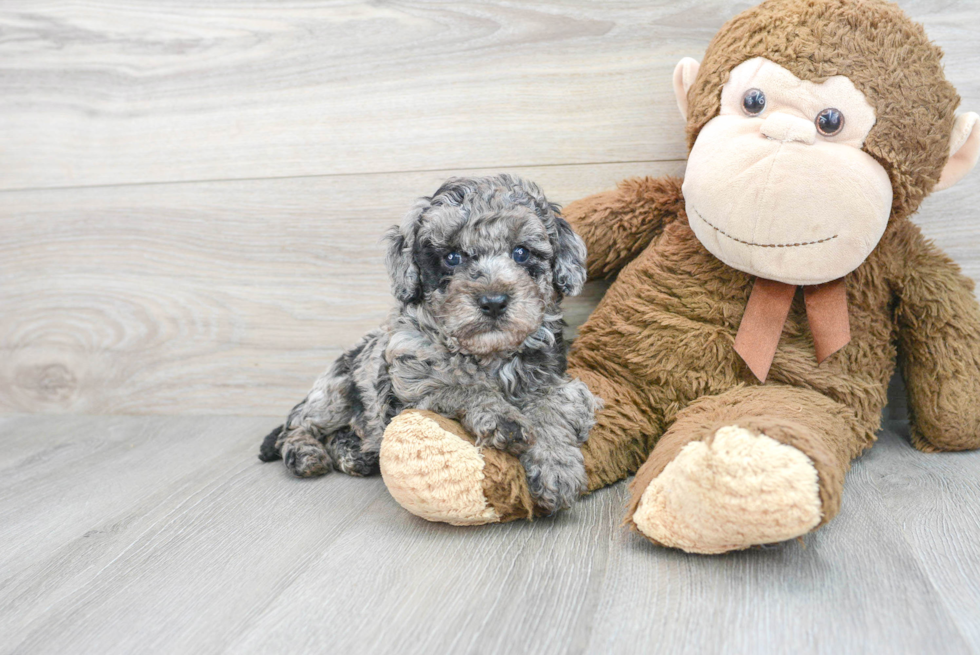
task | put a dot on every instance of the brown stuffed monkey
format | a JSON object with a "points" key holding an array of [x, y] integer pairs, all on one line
{"points": [[759, 307]]}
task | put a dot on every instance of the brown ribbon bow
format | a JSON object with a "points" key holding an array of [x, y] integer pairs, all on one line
{"points": [[766, 312]]}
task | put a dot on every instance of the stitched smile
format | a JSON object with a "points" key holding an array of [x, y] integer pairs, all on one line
{"points": [[762, 245]]}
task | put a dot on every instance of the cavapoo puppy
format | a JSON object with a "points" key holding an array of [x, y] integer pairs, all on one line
{"points": [[479, 270]]}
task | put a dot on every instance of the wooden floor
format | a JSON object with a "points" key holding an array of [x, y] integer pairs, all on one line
{"points": [[191, 200], [167, 535]]}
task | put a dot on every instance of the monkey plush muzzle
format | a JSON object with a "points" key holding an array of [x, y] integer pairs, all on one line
{"points": [[769, 194]]}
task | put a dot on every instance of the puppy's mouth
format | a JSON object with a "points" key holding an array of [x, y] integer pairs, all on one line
{"points": [[494, 333]]}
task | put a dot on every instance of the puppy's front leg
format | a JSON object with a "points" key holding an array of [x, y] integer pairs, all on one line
{"points": [[554, 464], [495, 422], [484, 412]]}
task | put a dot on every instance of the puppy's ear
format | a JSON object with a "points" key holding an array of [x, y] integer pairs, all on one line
{"points": [[402, 272], [570, 253], [569, 264]]}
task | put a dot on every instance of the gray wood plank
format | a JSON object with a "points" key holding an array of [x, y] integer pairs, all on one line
{"points": [[216, 552], [255, 90], [85, 469], [223, 531], [210, 298], [933, 498], [128, 91], [395, 583]]}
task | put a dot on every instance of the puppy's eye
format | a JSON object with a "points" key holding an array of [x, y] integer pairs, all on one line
{"points": [[520, 254], [830, 122], [753, 102], [453, 259]]}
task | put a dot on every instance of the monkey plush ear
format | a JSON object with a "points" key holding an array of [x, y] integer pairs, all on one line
{"points": [[570, 256], [964, 149], [684, 74], [402, 271]]}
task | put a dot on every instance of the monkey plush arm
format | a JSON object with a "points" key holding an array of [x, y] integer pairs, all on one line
{"points": [[617, 225], [939, 331]]}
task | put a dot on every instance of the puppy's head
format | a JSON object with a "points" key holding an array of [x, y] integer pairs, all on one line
{"points": [[488, 258]]}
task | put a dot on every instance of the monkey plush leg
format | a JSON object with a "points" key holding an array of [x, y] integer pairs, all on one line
{"points": [[434, 469], [754, 465]]}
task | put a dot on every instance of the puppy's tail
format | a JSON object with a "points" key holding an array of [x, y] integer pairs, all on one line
{"points": [[268, 451]]}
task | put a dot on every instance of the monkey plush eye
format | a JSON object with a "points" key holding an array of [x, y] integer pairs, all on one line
{"points": [[830, 122], [753, 102], [454, 259], [520, 254]]}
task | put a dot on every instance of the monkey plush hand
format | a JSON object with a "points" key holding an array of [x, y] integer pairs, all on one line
{"points": [[759, 308]]}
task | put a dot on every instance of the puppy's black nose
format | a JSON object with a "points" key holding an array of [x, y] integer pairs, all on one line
{"points": [[494, 306]]}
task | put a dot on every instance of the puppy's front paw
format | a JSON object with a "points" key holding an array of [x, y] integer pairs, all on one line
{"points": [[511, 434], [504, 430], [305, 460], [555, 481]]}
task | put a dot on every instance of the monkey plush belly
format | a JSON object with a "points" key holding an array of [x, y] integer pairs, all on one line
{"points": [[667, 326], [661, 329]]}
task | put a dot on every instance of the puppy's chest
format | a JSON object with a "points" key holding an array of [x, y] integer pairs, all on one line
{"points": [[512, 376], [416, 375]]}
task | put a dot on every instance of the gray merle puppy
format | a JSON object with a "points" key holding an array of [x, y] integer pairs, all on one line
{"points": [[479, 270]]}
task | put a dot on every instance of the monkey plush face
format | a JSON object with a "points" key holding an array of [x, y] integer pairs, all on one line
{"points": [[777, 184], [813, 125]]}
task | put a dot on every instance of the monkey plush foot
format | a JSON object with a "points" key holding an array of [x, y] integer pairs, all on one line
{"points": [[434, 469], [735, 489]]}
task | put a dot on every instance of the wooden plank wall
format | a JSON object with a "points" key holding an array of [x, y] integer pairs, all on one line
{"points": [[191, 195]]}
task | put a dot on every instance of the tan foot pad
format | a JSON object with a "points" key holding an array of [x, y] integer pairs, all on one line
{"points": [[736, 490], [434, 471]]}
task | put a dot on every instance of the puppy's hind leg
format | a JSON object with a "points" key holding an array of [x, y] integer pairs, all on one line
{"points": [[328, 410], [268, 451], [344, 447], [304, 455], [325, 410], [296, 444]]}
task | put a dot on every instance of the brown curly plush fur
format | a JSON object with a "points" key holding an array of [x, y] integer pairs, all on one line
{"points": [[659, 347]]}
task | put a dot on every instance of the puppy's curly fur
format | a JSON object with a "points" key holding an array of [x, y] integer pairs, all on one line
{"points": [[479, 271]]}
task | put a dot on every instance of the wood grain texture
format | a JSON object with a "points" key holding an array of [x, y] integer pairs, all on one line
{"points": [[125, 91], [206, 297], [151, 295], [919, 493], [165, 534]]}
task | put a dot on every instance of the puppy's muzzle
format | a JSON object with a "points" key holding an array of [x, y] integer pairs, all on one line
{"points": [[493, 306]]}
